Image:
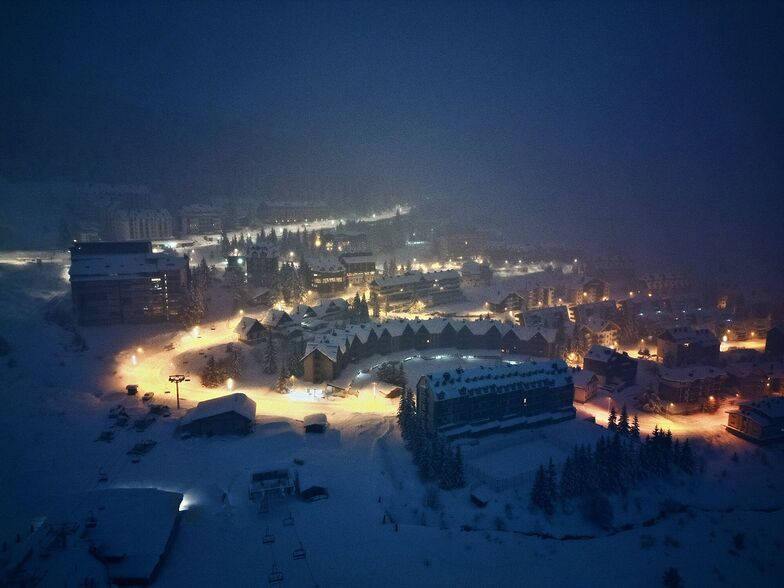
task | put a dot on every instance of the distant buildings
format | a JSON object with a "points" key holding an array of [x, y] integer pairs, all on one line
{"points": [[140, 224], [663, 284], [431, 288], [200, 219], [511, 302], [486, 400], [610, 366], [474, 273], [758, 420], [681, 346], [594, 290], [292, 212], [126, 282], [327, 355]]}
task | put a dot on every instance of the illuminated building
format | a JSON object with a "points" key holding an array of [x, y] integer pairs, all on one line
{"points": [[125, 282]]}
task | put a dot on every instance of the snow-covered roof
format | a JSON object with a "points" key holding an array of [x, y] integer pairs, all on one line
{"points": [[119, 266], [401, 280], [324, 263], [442, 275], [245, 325], [691, 373], [133, 530], [480, 381], [274, 317], [351, 259], [599, 353], [582, 378], [771, 407], [237, 402], [597, 324], [329, 345], [318, 418], [689, 335]]}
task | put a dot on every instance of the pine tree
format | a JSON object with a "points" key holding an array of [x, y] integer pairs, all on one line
{"points": [[612, 423], [634, 431], [282, 381], [270, 358], [687, 458], [623, 422]]}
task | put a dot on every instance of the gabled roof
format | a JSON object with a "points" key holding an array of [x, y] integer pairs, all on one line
{"points": [[599, 353], [274, 318], [245, 325], [237, 402]]}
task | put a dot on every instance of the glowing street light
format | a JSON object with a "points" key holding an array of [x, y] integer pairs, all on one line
{"points": [[134, 361], [230, 384], [177, 378]]}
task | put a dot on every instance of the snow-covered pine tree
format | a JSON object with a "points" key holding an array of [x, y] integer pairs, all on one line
{"points": [[282, 381], [623, 421], [270, 357], [634, 430]]}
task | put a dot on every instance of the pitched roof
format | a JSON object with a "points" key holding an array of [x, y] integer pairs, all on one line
{"points": [[245, 325], [237, 402]]}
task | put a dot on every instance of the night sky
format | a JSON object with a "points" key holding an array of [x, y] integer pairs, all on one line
{"points": [[656, 126]]}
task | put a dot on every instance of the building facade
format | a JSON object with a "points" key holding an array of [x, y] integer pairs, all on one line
{"points": [[758, 420], [430, 288], [125, 282], [485, 400], [681, 346]]}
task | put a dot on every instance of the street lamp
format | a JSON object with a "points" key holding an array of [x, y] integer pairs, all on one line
{"points": [[177, 378], [230, 384]]}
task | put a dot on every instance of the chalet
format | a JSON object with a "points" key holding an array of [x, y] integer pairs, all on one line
{"points": [[758, 420], [681, 346], [277, 321], [261, 262], [610, 366], [323, 360], [511, 302], [227, 415], [598, 331], [262, 297], [249, 330], [485, 400], [585, 385]]}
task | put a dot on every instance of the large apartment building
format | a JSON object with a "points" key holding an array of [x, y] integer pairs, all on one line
{"points": [[430, 288], [125, 282], [486, 400]]}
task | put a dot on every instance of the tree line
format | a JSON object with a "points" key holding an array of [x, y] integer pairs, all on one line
{"points": [[611, 466], [433, 455]]}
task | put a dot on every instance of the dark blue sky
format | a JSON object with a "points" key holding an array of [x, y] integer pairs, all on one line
{"points": [[589, 121]]}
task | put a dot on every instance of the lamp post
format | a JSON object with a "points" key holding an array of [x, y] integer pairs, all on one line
{"points": [[177, 378]]}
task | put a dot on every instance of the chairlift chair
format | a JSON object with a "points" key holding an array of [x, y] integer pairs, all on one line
{"points": [[299, 552], [288, 521], [275, 577], [268, 537], [103, 476]]}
